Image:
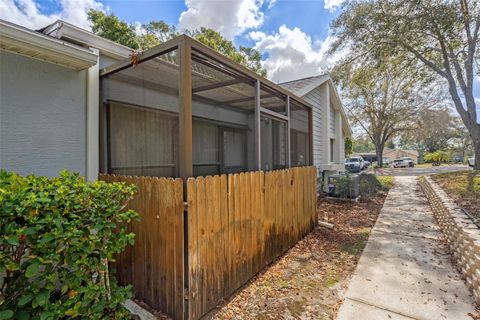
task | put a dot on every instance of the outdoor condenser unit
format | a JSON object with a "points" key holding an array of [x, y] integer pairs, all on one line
{"points": [[352, 185]]}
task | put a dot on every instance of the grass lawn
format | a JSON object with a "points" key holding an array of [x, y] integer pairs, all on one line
{"points": [[307, 282], [386, 181], [463, 187]]}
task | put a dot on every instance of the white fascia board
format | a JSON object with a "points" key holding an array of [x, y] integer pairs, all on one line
{"points": [[19, 40], [69, 32], [339, 106]]}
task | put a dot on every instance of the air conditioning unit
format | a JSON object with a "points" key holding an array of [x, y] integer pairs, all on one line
{"points": [[344, 185]]}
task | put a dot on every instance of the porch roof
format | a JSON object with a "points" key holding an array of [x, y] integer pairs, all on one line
{"points": [[215, 77]]}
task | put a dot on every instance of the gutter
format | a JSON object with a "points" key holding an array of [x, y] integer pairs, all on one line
{"points": [[68, 32], [22, 41]]}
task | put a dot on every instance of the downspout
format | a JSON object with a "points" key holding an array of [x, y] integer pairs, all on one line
{"points": [[93, 113]]}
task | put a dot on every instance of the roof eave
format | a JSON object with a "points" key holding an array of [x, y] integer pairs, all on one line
{"points": [[19, 40], [66, 31]]}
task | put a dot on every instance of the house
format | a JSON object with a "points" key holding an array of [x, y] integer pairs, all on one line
{"points": [[389, 155], [115, 117], [330, 124], [398, 153], [70, 99]]}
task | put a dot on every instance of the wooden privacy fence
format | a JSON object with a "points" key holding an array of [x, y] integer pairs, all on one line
{"points": [[185, 262]]}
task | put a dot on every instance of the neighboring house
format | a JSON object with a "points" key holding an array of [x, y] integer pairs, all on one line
{"points": [[71, 99], [398, 153], [330, 124]]}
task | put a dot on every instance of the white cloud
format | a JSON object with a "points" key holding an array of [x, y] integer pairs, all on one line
{"points": [[332, 4], [28, 14], [230, 18], [291, 54]]}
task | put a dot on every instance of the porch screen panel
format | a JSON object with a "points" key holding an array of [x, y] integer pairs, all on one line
{"points": [[142, 141], [205, 148], [273, 141], [234, 151], [299, 136]]}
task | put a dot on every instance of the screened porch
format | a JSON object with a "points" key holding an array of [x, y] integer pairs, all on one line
{"points": [[181, 110]]}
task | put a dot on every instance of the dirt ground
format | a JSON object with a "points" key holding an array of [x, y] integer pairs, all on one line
{"points": [[309, 280], [463, 187]]}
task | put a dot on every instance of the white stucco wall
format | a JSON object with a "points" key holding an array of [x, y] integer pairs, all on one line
{"points": [[42, 116]]}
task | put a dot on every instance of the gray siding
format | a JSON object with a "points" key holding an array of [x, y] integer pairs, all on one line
{"points": [[332, 120], [314, 98], [42, 116]]}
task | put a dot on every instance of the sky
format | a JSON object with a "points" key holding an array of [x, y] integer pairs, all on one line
{"points": [[292, 35]]}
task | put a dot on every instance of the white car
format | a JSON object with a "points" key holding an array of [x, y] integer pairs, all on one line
{"points": [[400, 163], [409, 161], [471, 161], [354, 164]]}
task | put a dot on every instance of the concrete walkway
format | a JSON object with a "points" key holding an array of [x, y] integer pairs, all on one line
{"points": [[404, 271]]}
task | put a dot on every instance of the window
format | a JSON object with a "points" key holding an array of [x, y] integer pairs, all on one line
{"points": [[332, 153]]}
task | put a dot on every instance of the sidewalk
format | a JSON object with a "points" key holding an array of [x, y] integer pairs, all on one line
{"points": [[404, 271]]}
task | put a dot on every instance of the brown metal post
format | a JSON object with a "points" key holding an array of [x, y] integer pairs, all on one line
{"points": [[310, 135], [185, 109], [258, 147], [289, 151]]}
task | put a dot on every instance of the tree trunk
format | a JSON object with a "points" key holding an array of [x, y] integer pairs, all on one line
{"points": [[476, 147], [379, 151]]}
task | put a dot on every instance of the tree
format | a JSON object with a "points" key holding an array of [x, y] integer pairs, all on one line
{"points": [[435, 129], [443, 35], [348, 145], [383, 98], [110, 27], [248, 57], [155, 32], [363, 145]]}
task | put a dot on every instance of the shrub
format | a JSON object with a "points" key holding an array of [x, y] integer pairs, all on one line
{"points": [[371, 185], [344, 186], [437, 157], [56, 238], [386, 182]]}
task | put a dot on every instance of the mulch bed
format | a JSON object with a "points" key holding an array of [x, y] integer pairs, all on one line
{"points": [[308, 282]]}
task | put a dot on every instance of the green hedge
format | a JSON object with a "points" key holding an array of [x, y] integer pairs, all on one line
{"points": [[56, 238]]}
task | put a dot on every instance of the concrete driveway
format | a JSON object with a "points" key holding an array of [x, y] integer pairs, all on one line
{"points": [[416, 171], [405, 271]]}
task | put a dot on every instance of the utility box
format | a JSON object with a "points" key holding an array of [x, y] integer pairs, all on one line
{"points": [[344, 185]]}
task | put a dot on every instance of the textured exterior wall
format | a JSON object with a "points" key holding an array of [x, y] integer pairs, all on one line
{"points": [[461, 234], [319, 148], [42, 116]]}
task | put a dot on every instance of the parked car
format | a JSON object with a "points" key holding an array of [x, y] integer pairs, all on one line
{"points": [[354, 164], [471, 161], [408, 160], [400, 163], [366, 164], [387, 161]]}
